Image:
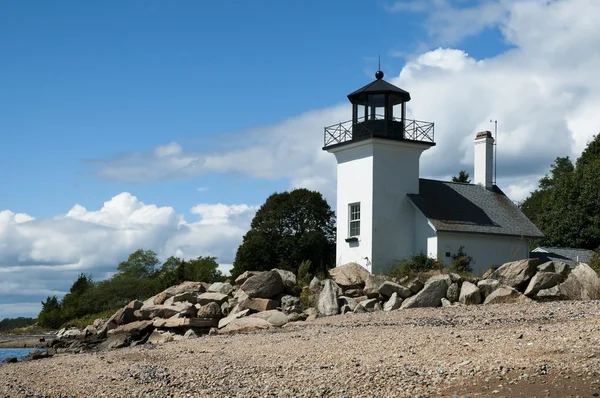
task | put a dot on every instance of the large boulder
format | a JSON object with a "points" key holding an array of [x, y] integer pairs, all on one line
{"points": [[432, 293], [220, 287], [126, 314], [543, 280], [328, 299], [555, 266], [516, 274], [393, 303], [581, 284], [227, 320], [210, 310], [206, 298], [239, 281], [264, 285], [274, 317], [372, 285], [243, 325], [132, 328], [350, 275], [290, 304], [469, 294], [487, 286], [453, 293], [349, 301], [506, 295], [185, 287], [289, 281], [257, 304], [388, 288], [155, 311]]}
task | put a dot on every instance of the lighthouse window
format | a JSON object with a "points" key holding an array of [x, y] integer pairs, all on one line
{"points": [[354, 224]]}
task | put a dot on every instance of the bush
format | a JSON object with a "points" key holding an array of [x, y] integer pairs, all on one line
{"points": [[417, 264], [595, 261], [304, 276], [88, 319], [461, 262]]}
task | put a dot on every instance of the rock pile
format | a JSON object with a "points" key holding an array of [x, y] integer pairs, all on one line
{"points": [[263, 300]]}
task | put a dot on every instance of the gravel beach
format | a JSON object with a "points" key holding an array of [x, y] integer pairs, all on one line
{"points": [[504, 350]]}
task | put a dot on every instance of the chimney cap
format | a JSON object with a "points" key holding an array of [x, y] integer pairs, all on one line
{"points": [[483, 134]]}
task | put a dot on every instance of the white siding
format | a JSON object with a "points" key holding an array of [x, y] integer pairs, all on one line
{"points": [[425, 237], [486, 250]]}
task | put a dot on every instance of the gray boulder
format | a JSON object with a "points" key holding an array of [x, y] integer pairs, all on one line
{"points": [[506, 295], [415, 286], [290, 304], [227, 320], [350, 275], [393, 303], [220, 287], [469, 294], [388, 288], [453, 293], [328, 302], [264, 285], [446, 303], [288, 279], [206, 298], [581, 284], [432, 293], [368, 304], [372, 285], [274, 317], [516, 274], [155, 311], [210, 310], [240, 280], [487, 286], [543, 280], [258, 304], [349, 301]]}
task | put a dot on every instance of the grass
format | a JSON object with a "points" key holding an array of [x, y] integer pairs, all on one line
{"points": [[88, 319]]}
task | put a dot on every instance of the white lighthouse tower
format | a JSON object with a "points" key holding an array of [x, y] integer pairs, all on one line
{"points": [[377, 166]]}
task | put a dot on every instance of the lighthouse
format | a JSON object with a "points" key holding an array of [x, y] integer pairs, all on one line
{"points": [[377, 155]]}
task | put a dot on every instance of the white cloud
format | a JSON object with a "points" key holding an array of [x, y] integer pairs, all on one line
{"points": [[42, 257]]}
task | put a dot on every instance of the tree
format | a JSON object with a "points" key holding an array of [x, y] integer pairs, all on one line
{"points": [[140, 264], [289, 228], [71, 303], [51, 315], [463, 176]]}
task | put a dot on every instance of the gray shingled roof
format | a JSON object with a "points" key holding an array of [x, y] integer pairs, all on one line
{"points": [[567, 255], [469, 208]]}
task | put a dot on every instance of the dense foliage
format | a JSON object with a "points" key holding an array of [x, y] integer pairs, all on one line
{"points": [[289, 228], [139, 277], [566, 205], [463, 176], [8, 324], [461, 262], [413, 266]]}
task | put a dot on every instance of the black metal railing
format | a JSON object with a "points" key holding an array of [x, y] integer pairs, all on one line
{"points": [[414, 130]]}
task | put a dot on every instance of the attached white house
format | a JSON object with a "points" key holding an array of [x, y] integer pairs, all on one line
{"points": [[386, 213]]}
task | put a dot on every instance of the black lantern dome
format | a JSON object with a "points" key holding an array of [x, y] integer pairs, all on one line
{"points": [[379, 111]]}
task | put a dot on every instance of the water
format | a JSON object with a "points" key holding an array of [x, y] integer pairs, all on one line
{"points": [[19, 353]]}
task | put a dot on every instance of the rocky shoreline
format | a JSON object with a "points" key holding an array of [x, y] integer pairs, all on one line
{"points": [[26, 340], [521, 349]]}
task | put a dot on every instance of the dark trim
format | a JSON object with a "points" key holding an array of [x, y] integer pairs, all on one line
{"points": [[450, 231], [352, 239]]}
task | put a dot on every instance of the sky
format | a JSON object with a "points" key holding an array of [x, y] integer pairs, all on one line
{"points": [[165, 125]]}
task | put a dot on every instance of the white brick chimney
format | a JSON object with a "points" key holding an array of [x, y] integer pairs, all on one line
{"points": [[484, 159]]}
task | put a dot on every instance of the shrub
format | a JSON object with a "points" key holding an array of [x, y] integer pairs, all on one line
{"points": [[595, 261], [417, 264], [304, 276], [461, 262]]}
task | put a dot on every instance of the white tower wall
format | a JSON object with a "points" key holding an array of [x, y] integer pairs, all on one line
{"points": [[484, 159]]}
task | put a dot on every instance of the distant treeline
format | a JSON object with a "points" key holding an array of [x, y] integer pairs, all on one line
{"points": [[8, 324], [138, 278]]}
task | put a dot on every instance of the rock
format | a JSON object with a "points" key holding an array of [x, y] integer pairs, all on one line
{"points": [[516, 274], [191, 334], [190, 297], [377, 307], [453, 292], [506, 294], [227, 320], [456, 278], [289, 280], [264, 285], [155, 311], [258, 304], [349, 301], [11, 360], [415, 286], [89, 330], [185, 309], [210, 310], [173, 323], [239, 281], [158, 337], [311, 313], [244, 325], [37, 354], [98, 323], [345, 309], [115, 341], [393, 303], [372, 285], [350, 275], [487, 286], [469, 294], [543, 280], [368, 304], [137, 327], [192, 287], [446, 302], [225, 308], [328, 303], [206, 298], [432, 293], [220, 287], [295, 317], [274, 317], [581, 284], [487, 274], [359, 309], [126, 314], [388, 288], [315, 285], [71, 333], [562, 268], [290, 304], [354, 292]]}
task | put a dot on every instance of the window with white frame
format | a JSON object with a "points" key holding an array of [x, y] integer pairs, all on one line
{"points": [[354, 219]]}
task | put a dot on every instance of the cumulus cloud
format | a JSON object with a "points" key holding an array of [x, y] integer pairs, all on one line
{"points": [[42, 257], [543, 92]]}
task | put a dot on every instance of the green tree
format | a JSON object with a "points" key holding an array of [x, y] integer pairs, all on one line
{"points": [[51, 315], [463, 176], [71, 303], [289, 228], [140, 264]]}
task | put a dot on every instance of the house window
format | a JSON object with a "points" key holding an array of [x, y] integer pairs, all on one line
{"points": [[354, 224]]}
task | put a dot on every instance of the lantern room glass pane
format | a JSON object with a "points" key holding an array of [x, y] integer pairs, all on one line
{"points": [[376, 100]]}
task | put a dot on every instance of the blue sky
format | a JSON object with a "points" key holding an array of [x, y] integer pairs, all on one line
{"points": [[164, 125]]}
